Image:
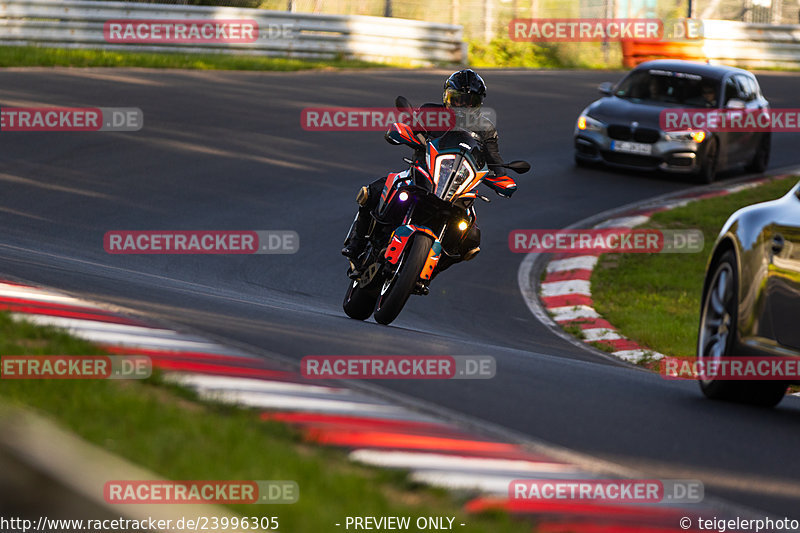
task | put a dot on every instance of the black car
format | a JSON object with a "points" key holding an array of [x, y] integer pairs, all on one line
{"points": [[623, 129], [751, 296]]}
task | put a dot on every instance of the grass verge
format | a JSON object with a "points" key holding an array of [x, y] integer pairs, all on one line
{"points": [[654, 299], [502, 52], [34, 56], [171, 432]]}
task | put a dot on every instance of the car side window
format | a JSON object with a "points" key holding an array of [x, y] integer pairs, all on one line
{"points": [[731, 90], [745, 88], [756, 90]]}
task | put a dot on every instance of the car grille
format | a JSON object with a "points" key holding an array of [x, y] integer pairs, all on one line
{"points": [[634, 160], [625, 133]]}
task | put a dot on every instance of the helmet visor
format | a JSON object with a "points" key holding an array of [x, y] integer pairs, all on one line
{"points": [[454, 98]]}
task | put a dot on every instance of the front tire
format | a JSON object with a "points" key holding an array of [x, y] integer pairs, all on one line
{"points": [[708, 170], [718, 320], [397, 289], [359, 301]]}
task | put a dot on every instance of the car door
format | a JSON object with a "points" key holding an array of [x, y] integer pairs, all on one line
{"points": [[731, 141], [783, 278], [748, 93]]}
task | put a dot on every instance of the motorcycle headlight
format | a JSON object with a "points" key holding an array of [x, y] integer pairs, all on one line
{"points": [[686, 136], [448, 182], [444, 168], [587, 123]]}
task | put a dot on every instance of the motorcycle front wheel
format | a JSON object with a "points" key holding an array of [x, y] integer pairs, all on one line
{"points": [[396, 289], [359, 302]]}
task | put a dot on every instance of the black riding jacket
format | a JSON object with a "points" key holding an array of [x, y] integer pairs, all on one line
{"points": [[485, 132]]}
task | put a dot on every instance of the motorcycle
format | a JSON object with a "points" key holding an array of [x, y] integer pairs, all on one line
{"points": [[425, 213]]}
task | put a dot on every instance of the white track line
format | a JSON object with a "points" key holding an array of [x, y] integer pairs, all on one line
{"points": [[623, 222], [581, 262], [496, 485], [210, 382], [124, 335], [292, 402], [561, 288], [13, 291], [573, 312], [600, 334], [438, 461]]}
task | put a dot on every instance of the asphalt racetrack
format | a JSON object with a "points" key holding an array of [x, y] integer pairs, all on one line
{"points": [[225, 150]]}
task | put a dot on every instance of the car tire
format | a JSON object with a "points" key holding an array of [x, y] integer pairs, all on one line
{"points": [[761, 158], [717, 334], [708, 170]]}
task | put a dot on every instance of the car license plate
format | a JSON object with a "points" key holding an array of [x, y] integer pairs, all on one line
{"points": [[632, 148]]}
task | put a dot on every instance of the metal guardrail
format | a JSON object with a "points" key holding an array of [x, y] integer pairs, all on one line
{"points": [[752, 45], [729, 42], [80, 23]]}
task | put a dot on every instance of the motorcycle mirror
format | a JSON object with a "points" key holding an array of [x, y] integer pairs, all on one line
{"points": [[519, 166], [400, 133], [402, 104]]}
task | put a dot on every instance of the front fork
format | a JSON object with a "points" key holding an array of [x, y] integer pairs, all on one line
{"points": [[399, 241]]}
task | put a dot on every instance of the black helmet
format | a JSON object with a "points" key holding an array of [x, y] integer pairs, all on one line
{"points": [[464, 89]]}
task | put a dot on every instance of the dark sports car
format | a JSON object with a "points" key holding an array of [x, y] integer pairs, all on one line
{"points": [[623, 129], [751, 296]]}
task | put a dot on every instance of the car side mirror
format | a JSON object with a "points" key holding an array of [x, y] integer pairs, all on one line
{"points": [[735, 103], [606, 88]]}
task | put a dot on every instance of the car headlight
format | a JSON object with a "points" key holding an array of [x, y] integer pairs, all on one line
{"points": [[586, 123], [686, 136]]}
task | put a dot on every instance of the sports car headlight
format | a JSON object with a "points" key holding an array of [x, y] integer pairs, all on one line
{"points": [[686, 136], [586, 123]]}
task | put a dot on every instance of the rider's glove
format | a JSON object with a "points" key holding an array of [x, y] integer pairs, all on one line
{"points": [[502, 185]]}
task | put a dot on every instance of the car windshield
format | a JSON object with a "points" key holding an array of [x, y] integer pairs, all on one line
{"points": [[669, 87]]}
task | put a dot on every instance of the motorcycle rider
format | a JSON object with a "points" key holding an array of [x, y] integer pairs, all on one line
{"points": [[464, 92]]}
